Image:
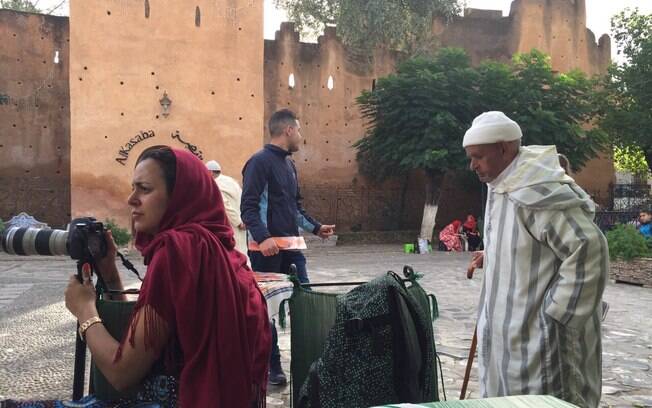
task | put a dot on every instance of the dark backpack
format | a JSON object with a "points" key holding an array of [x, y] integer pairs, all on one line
{"points": [[380, 350]]}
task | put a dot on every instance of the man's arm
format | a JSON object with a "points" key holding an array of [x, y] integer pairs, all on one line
{"points": [[229, 193], [304, 221], [254, 193], [582, 276]]}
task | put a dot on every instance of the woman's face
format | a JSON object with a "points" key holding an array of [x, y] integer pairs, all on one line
{"points": [[149, 197]]}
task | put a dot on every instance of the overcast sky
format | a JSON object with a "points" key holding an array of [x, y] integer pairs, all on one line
{"points": [[599, 12]]}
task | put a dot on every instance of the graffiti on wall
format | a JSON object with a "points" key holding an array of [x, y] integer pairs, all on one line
{"points": [[124, 150], [191, 147]]}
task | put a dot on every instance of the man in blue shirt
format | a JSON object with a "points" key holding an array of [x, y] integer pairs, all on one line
{"points": [[645, 217], [272, 211]]}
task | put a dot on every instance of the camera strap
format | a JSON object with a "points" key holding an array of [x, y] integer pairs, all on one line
{"points": [[127, 264]]}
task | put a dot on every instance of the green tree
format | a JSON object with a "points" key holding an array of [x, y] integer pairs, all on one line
{"points": [[31, 6], [551, 108], [364, 25], [627, 97], [20, 5], [630, 159], [416, 120], [417, 117]]}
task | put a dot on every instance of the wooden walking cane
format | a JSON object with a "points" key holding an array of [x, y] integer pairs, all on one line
{"points": [[474, 343], [469, 364]]}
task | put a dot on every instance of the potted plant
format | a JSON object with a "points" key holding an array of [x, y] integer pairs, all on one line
{"points": [[121, 236], [631, 256]]}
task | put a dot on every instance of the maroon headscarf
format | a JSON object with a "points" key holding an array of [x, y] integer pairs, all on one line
{"points": [[471, 223], [202, 288]]}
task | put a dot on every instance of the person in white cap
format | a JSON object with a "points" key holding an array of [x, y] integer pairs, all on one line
{"points": [[545, 268], [231, 195]]}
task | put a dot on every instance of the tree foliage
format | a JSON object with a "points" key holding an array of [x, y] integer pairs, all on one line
{"points": [[417, 117], [363, 25], [20, 5], [31, 6], [630, 159], [627, 97]]}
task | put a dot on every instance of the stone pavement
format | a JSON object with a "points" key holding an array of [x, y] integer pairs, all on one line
{"points": [[37, 333]]}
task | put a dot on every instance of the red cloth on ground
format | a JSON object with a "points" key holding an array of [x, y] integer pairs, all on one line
{"points": [[202, 288]]}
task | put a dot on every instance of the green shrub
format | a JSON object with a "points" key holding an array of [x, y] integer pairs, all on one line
{"points": [[626, 243], [2, 226], [120, 235]]}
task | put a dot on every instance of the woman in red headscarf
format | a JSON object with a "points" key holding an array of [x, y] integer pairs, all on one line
{"points": [[200, 319], [449, 237], [470, 229]]}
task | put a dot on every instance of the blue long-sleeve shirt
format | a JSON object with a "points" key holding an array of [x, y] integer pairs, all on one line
{"points": [[271, 200]]}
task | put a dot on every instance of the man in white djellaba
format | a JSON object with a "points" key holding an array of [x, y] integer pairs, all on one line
{"points": [[545, 269]]}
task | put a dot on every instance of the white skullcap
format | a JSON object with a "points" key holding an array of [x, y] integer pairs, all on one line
{"points": [[213, 166], [492, 127]]}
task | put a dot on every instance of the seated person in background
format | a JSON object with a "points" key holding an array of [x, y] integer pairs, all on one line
{"points": [[470, 229], [449, 237], [199, 335], [645, 228]]}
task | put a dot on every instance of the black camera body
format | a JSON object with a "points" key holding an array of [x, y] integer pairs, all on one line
{"points": [[86, 239]]}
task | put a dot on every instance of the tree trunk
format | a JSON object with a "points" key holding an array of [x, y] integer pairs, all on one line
{"points": [[433, 188], [401, 210], [648, 158]]}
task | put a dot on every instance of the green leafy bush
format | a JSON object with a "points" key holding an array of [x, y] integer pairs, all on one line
{"points": [[120, 235], [2, 226], [626, 243]]}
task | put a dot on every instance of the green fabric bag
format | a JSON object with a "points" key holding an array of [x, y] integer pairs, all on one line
{"points": [[116, 316]]}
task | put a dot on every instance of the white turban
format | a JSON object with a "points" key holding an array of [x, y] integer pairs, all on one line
{"points": [[492, 127], [213, 166]]}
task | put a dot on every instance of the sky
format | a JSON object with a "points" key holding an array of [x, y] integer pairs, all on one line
{"points": [[598, 14]]}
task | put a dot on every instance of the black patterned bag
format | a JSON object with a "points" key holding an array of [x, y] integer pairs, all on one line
{"points": [[380, 350]]}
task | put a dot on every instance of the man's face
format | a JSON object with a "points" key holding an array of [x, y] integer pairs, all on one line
{"points": [[645, 217], [487, 161], [294, 137]]}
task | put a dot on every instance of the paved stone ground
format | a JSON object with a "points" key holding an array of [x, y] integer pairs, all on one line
{"points": [[37, 333]]}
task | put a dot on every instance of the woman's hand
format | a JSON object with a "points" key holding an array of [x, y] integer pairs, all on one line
{"points": [[107, 265], [80, 297]]}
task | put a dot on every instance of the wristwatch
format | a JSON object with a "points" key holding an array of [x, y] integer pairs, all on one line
{"points": [[86, 325]]}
